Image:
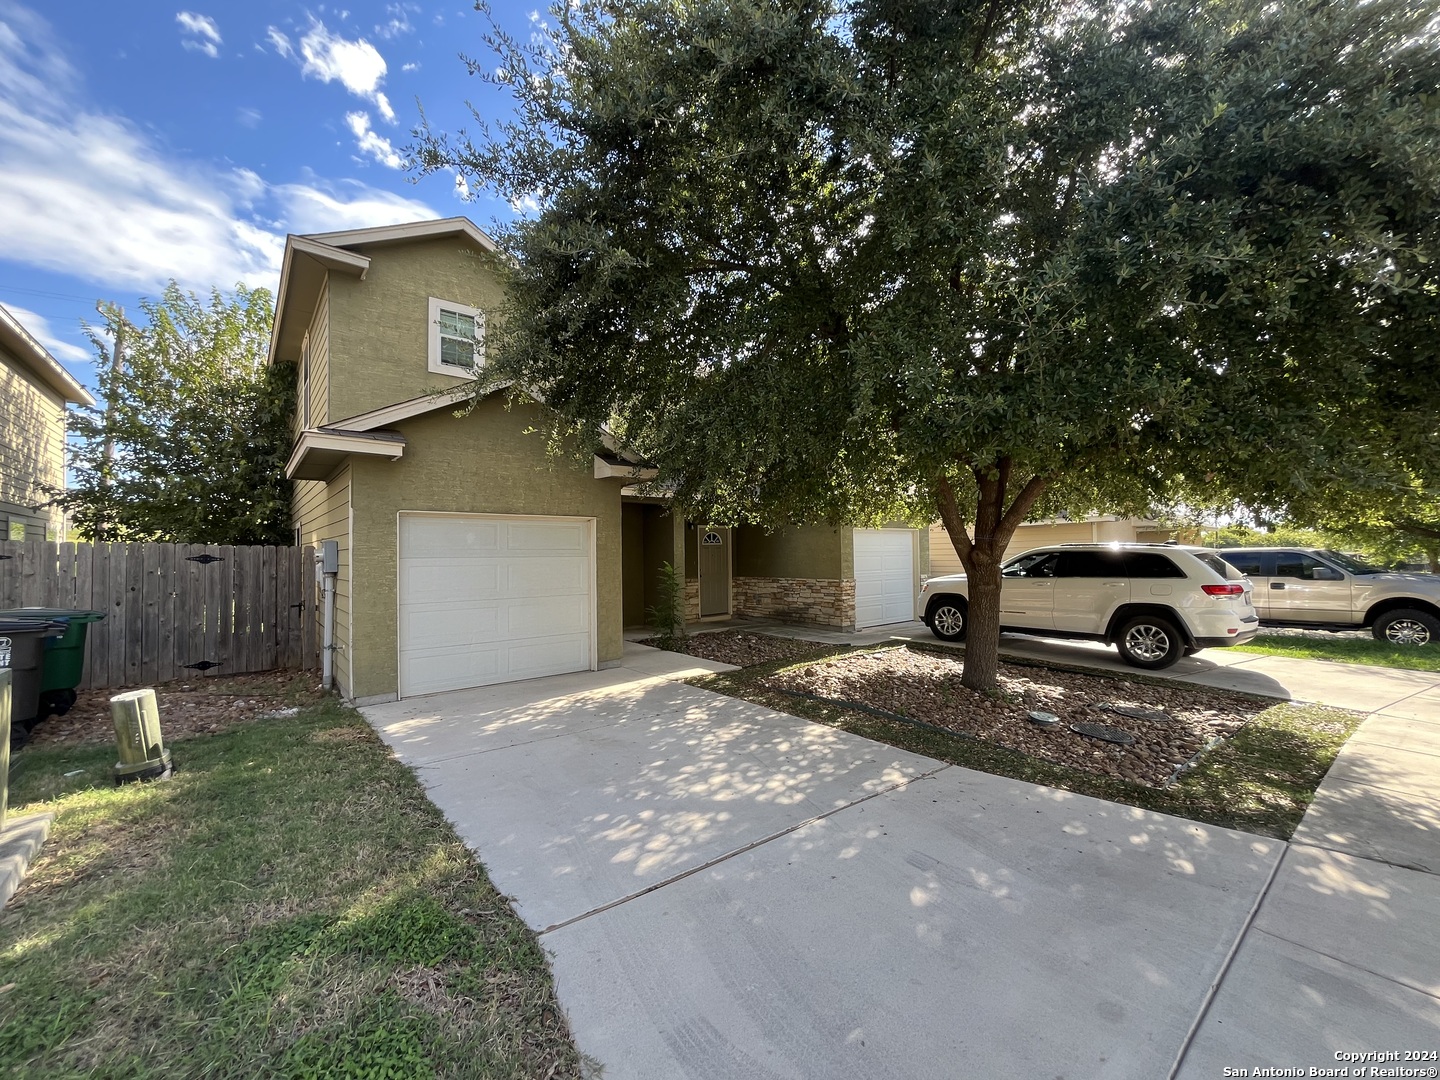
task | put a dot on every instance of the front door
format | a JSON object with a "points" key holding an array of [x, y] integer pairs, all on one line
{"points": [[714, 567]]}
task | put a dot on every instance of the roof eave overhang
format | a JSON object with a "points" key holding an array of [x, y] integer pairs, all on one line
{"points": [[318, 452], [631, 473], [37, 358], [302, 274]]}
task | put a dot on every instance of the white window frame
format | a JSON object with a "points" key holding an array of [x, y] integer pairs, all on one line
{"points": [[436, 305]]}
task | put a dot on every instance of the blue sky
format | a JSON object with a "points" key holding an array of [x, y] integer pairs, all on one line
{"points": [[141, 142]]}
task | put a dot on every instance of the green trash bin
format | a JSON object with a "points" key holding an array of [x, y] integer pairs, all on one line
{"points": [[64, 660]]}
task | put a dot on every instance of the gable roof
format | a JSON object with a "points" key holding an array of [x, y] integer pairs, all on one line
{"points": [[404, 234], [308, 258], [38, 361]]}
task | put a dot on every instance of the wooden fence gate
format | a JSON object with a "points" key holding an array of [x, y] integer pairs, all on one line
{"points": [[173, 611]]}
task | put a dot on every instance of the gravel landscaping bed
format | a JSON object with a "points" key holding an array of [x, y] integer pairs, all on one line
{"points": [[199, 706], [744, 649], [1174, 724]]}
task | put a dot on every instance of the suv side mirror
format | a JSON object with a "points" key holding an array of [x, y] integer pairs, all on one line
{"points": [[1324, 573]]}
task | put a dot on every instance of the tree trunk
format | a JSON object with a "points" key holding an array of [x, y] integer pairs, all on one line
{"points": [[981, 556], [982, 637], [1433, 553]]}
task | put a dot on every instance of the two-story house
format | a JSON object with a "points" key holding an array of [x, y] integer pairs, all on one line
{"points": [[468, 555], [34, 390]]}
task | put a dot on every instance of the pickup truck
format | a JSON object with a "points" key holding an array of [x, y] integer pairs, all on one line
{"points": [[1318, 589]]}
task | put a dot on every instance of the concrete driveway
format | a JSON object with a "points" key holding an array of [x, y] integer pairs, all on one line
{"points": [[727, 891]]}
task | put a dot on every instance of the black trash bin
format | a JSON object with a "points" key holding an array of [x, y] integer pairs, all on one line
{"points": [[22, 650]]}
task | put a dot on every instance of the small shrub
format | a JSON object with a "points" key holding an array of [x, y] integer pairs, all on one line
{"points": [[668, 614]]}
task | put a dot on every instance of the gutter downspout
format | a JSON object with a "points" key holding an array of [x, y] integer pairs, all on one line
{"points": [[327, 566]]}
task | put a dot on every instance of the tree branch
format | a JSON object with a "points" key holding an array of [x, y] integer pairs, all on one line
{"points": [[951, 518], [1020, 508]]}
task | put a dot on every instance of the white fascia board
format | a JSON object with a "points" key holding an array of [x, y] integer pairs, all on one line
{"points": [[312, 442], [415, 230], [38, 358], [604, 470], [332, 258], [404, 410]]}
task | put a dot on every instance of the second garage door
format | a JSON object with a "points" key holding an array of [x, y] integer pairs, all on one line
{"points": [[486, 599], [884, 576]]}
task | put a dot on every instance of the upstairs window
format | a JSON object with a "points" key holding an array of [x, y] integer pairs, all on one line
{"points": [[457, 338]]}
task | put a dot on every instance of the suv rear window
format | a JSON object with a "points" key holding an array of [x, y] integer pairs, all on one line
{"points": [[1150, 564], [1231, 567]]}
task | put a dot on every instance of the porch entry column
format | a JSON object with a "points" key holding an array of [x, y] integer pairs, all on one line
{"points": [[713, 566]]}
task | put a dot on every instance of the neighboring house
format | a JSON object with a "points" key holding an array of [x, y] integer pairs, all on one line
{"points": [[1096, 529], [34, 390], [468, 555]]}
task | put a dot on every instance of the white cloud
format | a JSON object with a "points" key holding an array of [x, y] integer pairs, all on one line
{"points": [[328, 206], [201, 33], [377, 146], [357, 65], [462, 189], [410, 67], [67, 352], [280, 42], [399, 21], [248, 117], [90, 194]]}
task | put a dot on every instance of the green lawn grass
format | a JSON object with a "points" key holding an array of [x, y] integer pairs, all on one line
{"points": [[1261, 780], [1347, 650], [290, 904]]}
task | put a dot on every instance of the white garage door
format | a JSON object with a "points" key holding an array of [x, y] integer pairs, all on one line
{"points": [[487, 599], [884, 576]]}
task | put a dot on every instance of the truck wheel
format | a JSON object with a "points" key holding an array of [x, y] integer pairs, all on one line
{"points": [[1149, 641], [948, 621], [1406, 626]]}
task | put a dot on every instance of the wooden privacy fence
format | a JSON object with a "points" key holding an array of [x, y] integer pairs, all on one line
{"points": [[173, 611]]}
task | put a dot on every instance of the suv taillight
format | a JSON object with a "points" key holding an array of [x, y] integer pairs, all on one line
{"points": [[1224, 590]]}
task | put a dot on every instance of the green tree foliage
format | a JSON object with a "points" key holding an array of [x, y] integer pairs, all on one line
{"points": [[1395, 518], [200, 427], [974, 258]]}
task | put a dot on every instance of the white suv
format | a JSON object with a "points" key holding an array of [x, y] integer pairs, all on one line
{"points": [[1153, 602]]}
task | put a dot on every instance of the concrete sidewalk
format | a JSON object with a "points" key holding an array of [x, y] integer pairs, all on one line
{"points": [[727, 891]]}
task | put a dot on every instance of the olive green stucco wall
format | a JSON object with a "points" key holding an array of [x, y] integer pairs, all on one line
{"points": [[484, 463], [632, 572], [818, 551], [663, 532], [379, 328]]}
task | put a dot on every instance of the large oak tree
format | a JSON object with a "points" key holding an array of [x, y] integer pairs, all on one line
{"points": [[838, 260]]}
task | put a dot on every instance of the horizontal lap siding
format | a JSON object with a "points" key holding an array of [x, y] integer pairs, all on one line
{"points": [[320, 360], [323, 513], [32, 445]]}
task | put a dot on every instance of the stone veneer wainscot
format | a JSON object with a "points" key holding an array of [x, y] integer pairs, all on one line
{"points": [[810, 601]]}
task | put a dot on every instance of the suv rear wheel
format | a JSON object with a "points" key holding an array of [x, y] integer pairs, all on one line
{"points": [[1406, 626], [948, 620], [1149, 641]]}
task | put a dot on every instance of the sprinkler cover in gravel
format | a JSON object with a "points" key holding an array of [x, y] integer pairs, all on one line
{"points": [[1044, 719], [1103, 731]]}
